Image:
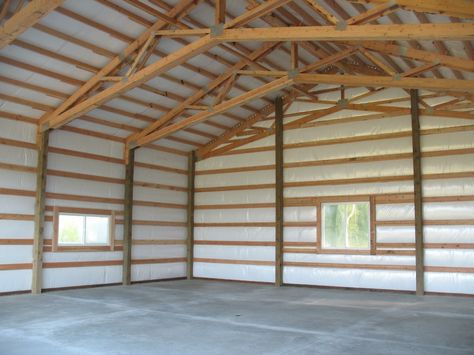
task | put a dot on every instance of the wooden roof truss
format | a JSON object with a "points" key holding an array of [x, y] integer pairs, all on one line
{"points": [[346, 43]]}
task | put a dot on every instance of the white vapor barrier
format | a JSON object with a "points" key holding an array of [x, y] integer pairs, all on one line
{"points": [[94, 275], [15, 257], [326, 142], [235, 197], [243, 178], [235, 272], [15, 280], [235, 252], [261, 234], [149, 255], [357, 278], [146, 272], [158, 251], [238, 258], [235, 215], [299, 234], [449, 282]]}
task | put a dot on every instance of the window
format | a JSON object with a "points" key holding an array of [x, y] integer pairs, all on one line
{"points": [[75, 230], [83, 229], [346, 225]]}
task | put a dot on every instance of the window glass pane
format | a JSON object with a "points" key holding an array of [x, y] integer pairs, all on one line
{"points": [[346, 226], [71, 229], [97, 230]]}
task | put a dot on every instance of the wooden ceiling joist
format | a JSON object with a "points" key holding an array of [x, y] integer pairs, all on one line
{"points": [[25, 18]]}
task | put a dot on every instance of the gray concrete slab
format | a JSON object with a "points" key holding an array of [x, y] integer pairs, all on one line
{"points": [[210, 317]]}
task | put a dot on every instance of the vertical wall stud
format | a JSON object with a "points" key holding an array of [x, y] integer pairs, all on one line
{"points": [[190, 224], [41, 174], [278, 191], [417, 174], [128, 219]]}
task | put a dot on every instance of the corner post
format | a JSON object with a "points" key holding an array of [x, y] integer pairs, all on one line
{"points": [[190, 214], [128, 219], [418, 191], [278, 191], [41, 175]]}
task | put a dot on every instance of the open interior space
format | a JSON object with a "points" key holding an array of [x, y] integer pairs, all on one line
{"points": [[236, 177]]}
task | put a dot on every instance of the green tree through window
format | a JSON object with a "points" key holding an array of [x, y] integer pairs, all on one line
{"points": [[346, 225]]}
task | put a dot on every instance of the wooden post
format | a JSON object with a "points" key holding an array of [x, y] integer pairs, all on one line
{"points": [[415, 124], [294, 55], [220, 12], [128, 219], [190, 237], [373, 225], [41, 174], [278, 191]]}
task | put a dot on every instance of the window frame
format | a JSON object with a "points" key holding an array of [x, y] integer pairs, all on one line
{"points": [[345, 200], [83, 212]]}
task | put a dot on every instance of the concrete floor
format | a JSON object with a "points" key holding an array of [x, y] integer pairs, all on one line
{"points": [[209, 317]]}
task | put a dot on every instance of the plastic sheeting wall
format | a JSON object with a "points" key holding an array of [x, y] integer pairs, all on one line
{"points": [[88, 172], [330, 171]]}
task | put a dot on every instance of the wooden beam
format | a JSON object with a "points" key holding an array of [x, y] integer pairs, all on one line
{"points": [[25, 18], [225, 106], [387, 81], [400, 32], [441, 31], [128, 219], [418, 190], [279, 191], [38, 234], [190, 214], [458, 8], [220, 11]]}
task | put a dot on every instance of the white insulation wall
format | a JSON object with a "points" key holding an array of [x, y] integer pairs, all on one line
{"points": [[449, 229], [95, 180]]}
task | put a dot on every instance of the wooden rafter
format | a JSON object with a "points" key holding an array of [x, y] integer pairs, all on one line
{"points": [[458, 8], [200, 93], [25, 18], [266, 89], [372, 14], [114, 63]]}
